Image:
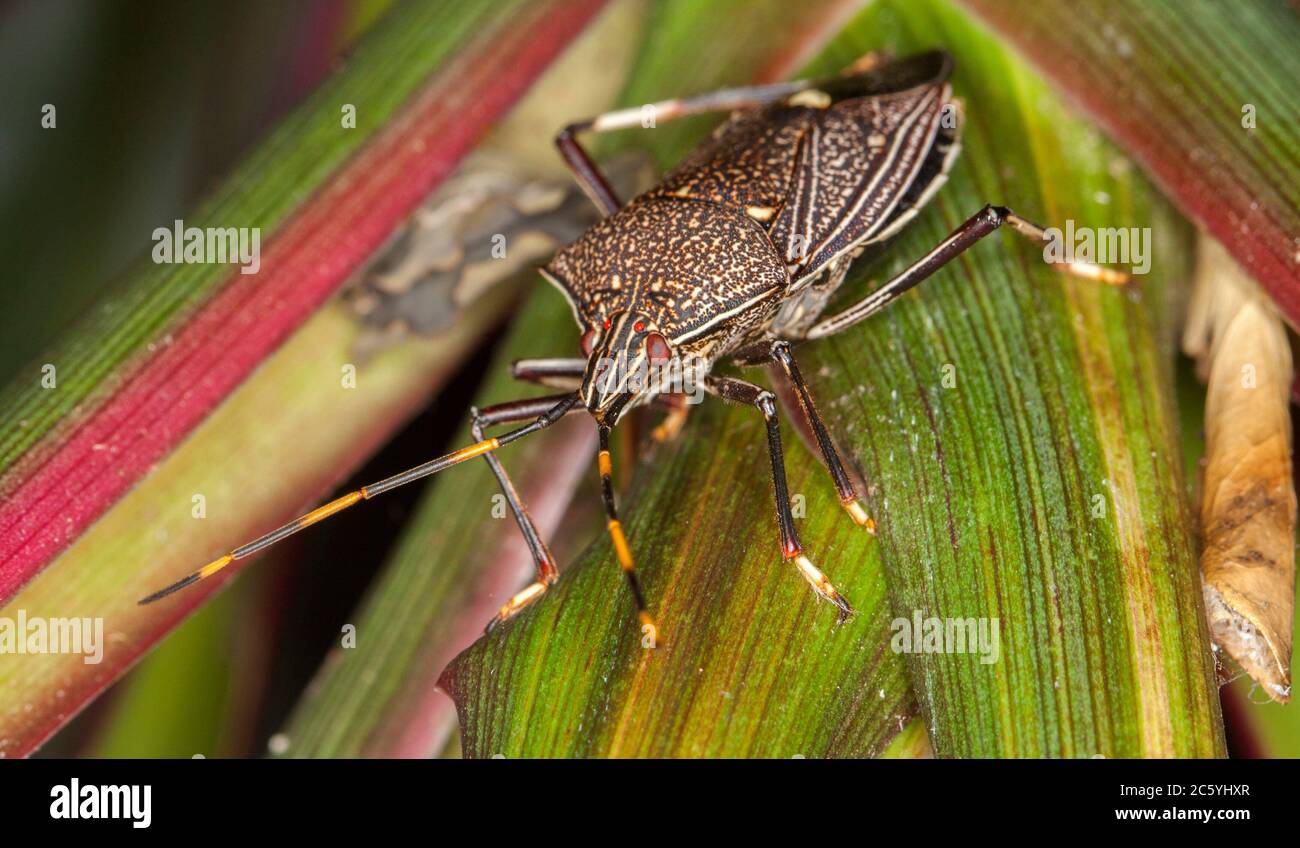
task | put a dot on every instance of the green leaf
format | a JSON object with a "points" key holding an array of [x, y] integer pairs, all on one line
{"points": [[152, 534], [1045, 489], [1042, 491], [751, 663], [155, 714]]}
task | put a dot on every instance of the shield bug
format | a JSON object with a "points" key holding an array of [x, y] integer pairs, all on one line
{"points": [[732, 256]]}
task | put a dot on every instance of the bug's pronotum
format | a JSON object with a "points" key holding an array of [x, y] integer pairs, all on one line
{"points": [[733, 255]]}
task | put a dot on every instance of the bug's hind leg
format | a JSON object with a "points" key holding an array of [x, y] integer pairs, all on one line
{"points": [[590, 177], [740, 391], [843, 485], [546, 572], [975, 228]]}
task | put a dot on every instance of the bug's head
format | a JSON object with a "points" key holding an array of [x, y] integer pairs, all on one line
{"points": [[626, 359]]}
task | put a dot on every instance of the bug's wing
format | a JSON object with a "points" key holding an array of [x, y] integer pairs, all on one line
{"points": [[856, 163], [824, 171], [747, 164]]}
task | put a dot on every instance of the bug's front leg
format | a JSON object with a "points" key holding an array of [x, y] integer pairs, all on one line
{"points": [[740, 391], [649, 630], [678, 409], [557, 373], [979, 225], [567, 374], [543, 411], [546, 571]]}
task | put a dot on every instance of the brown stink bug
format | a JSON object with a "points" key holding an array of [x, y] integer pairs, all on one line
{"points": [[732, 256]]}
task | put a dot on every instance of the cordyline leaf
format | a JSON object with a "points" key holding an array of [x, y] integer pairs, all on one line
{"points": [[155, 358], [177, 702], [292, 417], [1041, 491], [752, 664], [458, 560], [1202, 95], [151, 374]]}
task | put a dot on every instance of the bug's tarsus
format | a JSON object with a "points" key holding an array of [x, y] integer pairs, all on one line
{"points": [[545, 418], [1076, 268], [868, 62]]}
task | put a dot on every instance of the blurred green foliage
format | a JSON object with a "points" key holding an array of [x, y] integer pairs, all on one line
{"points": [[152, 100]]}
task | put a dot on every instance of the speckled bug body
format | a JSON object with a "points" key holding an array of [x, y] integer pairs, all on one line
{"points": [[746, 239], [733, 256]]}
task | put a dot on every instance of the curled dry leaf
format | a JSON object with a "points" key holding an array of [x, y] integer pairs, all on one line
{"points": [[1248, 502]]}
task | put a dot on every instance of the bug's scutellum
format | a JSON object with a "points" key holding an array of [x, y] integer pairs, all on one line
{"points": [[733, 255]]}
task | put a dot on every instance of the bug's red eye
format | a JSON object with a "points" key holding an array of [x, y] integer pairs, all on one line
{"points": [[588, 341], [638, 327], [606, 323], [656, 347]]}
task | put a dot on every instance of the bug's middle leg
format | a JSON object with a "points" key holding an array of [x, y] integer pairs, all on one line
{"points": [[546, 572], [589, 175], [782, 355], [678, 409], [740, 391]]}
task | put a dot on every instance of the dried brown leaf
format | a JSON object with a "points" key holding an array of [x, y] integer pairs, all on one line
{"points": [[1248, 502]]}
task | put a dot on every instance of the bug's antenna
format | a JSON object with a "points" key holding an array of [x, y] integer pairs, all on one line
{"points": [[621, 548], [419, 472]]}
